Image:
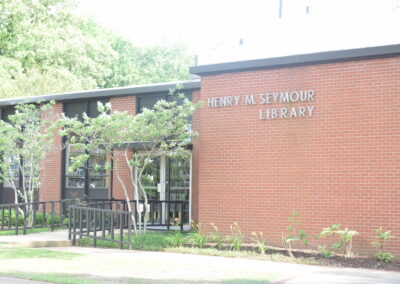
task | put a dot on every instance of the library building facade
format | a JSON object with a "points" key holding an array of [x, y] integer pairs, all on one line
{"points": [[317, 134]]}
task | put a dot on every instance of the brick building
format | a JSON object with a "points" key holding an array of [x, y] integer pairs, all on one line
{"points": [[318, 134]]}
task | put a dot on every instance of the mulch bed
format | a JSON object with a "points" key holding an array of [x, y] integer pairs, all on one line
{"points": [[337, 260]]}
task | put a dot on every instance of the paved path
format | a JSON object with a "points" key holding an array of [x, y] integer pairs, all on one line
{"points": [[44, 239], [116, 266], [8, 280]]}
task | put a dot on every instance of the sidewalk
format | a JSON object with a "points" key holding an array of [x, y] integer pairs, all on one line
{"points": [[118, 266], [58, 238]]}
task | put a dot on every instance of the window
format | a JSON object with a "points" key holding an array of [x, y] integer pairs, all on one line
{"points": [[150, 100], [91, 180]]}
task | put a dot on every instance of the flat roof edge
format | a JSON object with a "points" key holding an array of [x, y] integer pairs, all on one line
{"points": [[299, 60], [101, 93]]}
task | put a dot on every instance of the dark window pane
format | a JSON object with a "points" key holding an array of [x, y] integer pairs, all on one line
{"points": [[75, 109], [93, 110], [148, 102], [5, 112]]}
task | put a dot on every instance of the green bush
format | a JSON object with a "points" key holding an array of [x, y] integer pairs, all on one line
{"points": [[7, 216], [38, 219]]}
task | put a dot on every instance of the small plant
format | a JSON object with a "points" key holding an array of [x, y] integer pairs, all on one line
{"points": [[260, 241], [325, 252], [294, 234], [236, 237], [178, 240], [381, 239], [384, 256], [216, 236], [345, 238], [195, 238]]}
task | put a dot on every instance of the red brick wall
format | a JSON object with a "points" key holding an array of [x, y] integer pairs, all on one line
{"points": [[50, 175], [339, 166], [127, 104]]}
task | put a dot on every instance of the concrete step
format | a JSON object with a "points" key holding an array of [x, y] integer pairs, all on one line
{"points": [[45, 239]]}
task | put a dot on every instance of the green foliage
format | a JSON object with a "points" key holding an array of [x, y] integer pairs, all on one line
{"points": [[46, 48], [164, 130], [178, 240], [25, 139], [195, 238], [38, 221], [381, 238], [345, 238], [13, 218], [384, 256], [154, 241], [260, 241], [216, 236], [294, 233], [236, 237], [325, 252]]}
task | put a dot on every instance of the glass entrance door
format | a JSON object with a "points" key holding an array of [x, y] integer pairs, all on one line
{"points": [[167, 184]]}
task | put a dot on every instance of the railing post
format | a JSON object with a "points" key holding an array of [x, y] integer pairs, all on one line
{"points": [[2, 217], [168, 208], [9, 217], [74, 226], [52, 216], [44, 215], [95, 229], [16, 219], [121, 231], [34, 215], [24, 228], [129, 230], [69, 222], [103, 227], [80, 223], [181, 215], [112, 225]]}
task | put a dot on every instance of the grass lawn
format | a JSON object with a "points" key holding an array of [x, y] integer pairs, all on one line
{"points": [[28, 231], [167, 241], [151, 241], [12, 253]]}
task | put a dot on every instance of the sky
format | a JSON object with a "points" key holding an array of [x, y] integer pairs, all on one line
{"points": [[213, 29]]}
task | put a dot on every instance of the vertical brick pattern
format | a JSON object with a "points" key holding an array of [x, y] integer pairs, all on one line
{"points": [[339, 166], [127, 104], [50, 175]]}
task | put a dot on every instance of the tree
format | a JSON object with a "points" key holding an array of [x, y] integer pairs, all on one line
{"points": [[163, 130], [46, 48], [25, 139]]}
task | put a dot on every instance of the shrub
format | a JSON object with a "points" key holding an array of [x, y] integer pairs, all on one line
{"points": [[236, 237], [345, 238], [381, 238], [260, 242], [13, 217]]}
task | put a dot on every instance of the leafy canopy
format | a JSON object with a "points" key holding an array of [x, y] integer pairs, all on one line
{"points": [[46, 48]]}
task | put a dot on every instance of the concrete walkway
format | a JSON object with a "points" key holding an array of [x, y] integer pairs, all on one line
{"points": [[9, 280], [118, 266], [57, 238]]}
